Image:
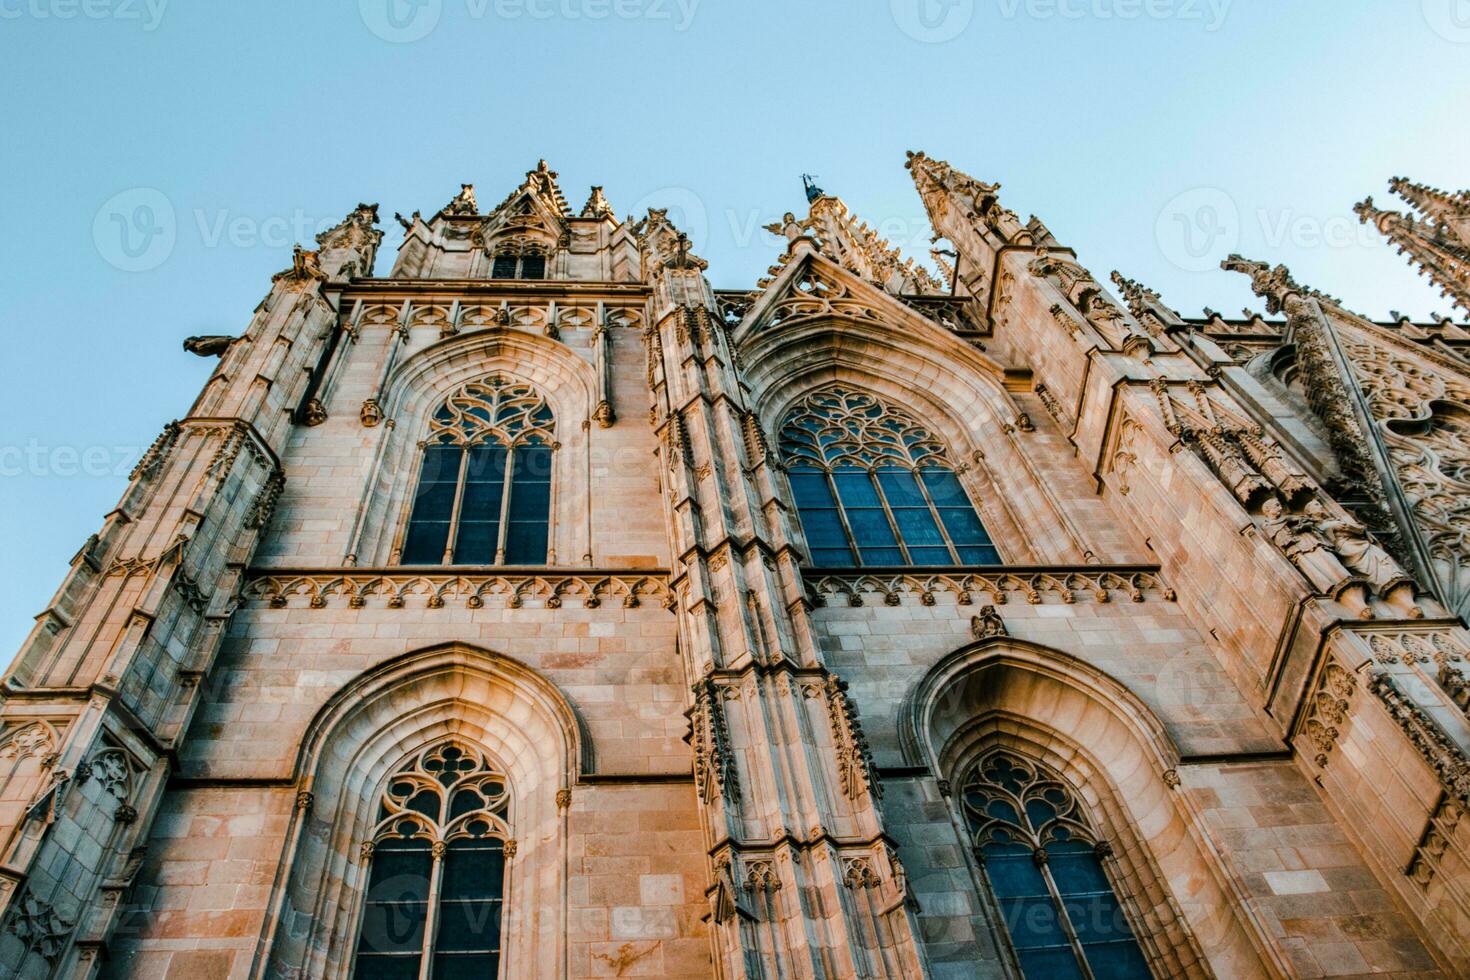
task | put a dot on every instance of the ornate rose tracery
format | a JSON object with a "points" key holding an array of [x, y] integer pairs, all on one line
{"points": [[494, 409], [839, 426], [448, 792]]}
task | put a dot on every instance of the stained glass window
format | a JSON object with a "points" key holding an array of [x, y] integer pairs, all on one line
{"points": [[484, 490], [436, 884], [874, 487], [1044, 865]]}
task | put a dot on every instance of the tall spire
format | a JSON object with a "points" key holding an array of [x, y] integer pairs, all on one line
{"points": [[1445, 207], [1438, 245]]}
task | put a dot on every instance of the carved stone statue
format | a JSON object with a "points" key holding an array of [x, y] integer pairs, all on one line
{"points": [[1358, 553], [988, 624], [1298, 540], [788, 226]]}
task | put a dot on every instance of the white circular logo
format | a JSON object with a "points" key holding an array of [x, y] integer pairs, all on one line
{"points": [[401, 21], [932, 21], [1450, 19], [1198, 228], [136, 229], [686, 212]]}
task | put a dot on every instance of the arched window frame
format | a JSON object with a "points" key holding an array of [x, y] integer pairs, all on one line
{"points": [[839, 430], [514, 415], [519, 257], [1047, 816], [403, 819]]}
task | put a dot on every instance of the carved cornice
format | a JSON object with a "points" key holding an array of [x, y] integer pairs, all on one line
{"points": [[1035, 585], [395, 587]]}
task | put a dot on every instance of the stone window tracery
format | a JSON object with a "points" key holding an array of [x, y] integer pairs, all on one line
{"points": [[1044, 866], [437, 870], [484, 490], [518, 258], [875, 487]]}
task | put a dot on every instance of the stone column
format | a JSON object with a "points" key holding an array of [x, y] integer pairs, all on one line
{"points": [[804, 881]]}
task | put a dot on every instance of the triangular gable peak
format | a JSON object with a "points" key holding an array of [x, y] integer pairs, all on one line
{"points": [[850, 243], [535, 209], [810, 286]]}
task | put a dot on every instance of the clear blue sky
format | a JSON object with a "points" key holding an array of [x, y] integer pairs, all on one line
{"points": [[1124, 124]]}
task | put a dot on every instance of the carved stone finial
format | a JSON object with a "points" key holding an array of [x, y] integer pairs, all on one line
{"points": [[597, 206]]}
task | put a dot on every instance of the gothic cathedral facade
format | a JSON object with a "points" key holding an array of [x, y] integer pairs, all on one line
{"points": [[539, 611]]}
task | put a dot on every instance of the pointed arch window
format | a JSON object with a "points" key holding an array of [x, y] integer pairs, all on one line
{"points": [[1044, 866], [518, 265], [484, 489], [436, 881], [875, 487]]}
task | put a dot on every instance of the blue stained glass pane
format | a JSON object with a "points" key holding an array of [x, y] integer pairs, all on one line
{"points": [[1077, 869], [823, 529], [476, 542], [1117, 961], [533, 267], [856, 489], [979, 556], [833, 558], [945, 488], [917, 527], [486, 463], [530, 506], [468, 925], [1097, 917], [882, 556], [964, 526], [1014, 876], [428, 523], [530, 499], [1039, 812], [396, 905], [930, 556], [870, 528], [425, 543], [811, 490], [525, 544], [1032, 922], [901, 488], [1049, 964]]}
